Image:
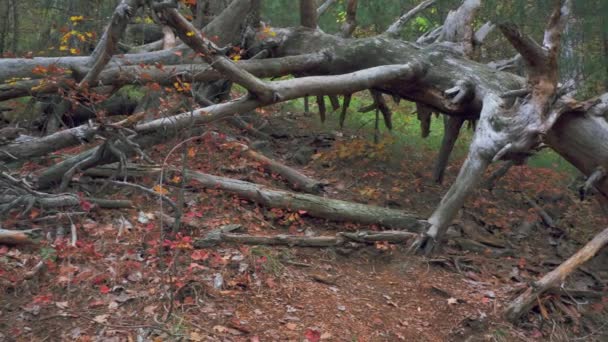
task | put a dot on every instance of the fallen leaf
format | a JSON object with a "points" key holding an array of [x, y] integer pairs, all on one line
{"points": [[104, 289], [101, 319], [312, 335], [452, 301], [291, 326], [61, 305], [196, 337]]}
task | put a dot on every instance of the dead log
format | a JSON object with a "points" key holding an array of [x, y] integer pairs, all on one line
{"points": [[238, 122], [294, 178], [108, 43], [341, 239], [17, 237], [522, 304], [331, 209], [161, 130]]}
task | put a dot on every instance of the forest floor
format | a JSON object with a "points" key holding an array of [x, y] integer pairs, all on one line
{"points": [[114, 285]]}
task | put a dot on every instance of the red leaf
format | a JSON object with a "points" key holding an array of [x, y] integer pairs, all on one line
{"points": [[85, 205], [312, 335], [43, 299], [104, 289], [199, 255], [521, 263]]}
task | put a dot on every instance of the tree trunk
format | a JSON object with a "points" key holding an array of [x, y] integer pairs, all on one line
{"points": [[315, 206], [308, 14]]}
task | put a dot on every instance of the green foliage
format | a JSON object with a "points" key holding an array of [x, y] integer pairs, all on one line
{"points": [[406, 134], [48, 253]]}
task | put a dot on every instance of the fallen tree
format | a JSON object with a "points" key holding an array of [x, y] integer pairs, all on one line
{"points": [[515, 115], [437, 75]]}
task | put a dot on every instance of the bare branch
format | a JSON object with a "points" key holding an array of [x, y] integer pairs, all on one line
{"points": [[591, 181], [458, 26], [556, 25], [212, 55], [483, 32], [324, 7], [396, 27], [109, 41], [530, 50], [555, 278], [452, 130], [350, 24]]}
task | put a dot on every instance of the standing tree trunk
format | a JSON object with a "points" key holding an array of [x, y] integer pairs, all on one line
{"points": [[308, 13], [14, 20]]}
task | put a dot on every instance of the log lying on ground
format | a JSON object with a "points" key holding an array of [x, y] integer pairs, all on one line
{"points": [[555, 278], [17, 237], [63, 201], [331, 209], [341, 239], [296, 180], [316, 206]]}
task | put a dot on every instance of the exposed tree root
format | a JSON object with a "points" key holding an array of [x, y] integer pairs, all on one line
{"points": [[490, 183], [452, 130]]}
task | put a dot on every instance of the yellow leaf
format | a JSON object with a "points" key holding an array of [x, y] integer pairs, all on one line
{"points": [[196, 337], [189, 33], [63, 48], [159, 189], [176, 179], [191, 152]]}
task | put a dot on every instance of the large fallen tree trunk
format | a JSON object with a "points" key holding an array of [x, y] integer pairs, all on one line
{"points": [[555, 278], [315, 206], [341, 239]]}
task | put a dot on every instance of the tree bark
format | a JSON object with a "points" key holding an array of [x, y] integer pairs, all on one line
{"points": [[308, 14], [451, 131], [16, 237]]}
